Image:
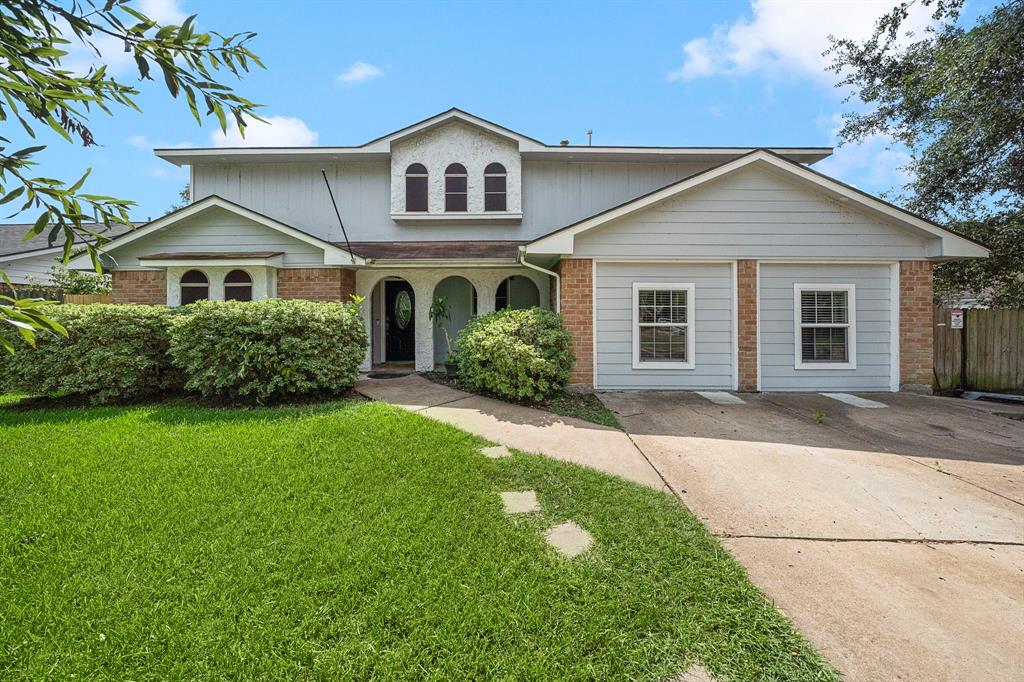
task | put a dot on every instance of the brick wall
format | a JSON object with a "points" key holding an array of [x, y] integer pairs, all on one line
{"points": [[316, 284], [139, 286], [916, 332], [577, 311], [746, 326]]}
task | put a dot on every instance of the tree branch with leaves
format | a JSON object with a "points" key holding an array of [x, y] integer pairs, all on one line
{"points": [[38, 92]]}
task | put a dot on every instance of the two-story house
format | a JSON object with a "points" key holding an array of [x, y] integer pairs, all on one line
{"points": [[673, 267]]}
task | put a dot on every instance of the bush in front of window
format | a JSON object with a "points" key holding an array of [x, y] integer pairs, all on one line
{"points": [[270, 350], [113, 353], [516, 354]]}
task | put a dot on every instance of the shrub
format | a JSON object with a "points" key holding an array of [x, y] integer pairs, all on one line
{"points": [[268, 350], [516, 354], [112, 353]]}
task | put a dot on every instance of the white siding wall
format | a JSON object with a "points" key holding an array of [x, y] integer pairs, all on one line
{"points": [[554, 194], [37, 267], [754, 213], [220, 231], [873, 287], [713, 326]]}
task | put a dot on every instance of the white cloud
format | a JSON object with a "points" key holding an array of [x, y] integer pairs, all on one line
{"points": [[359, 72], [785, 38], [143, 142], [874, 165], [278, 131], [111, 50], [162, 11]]}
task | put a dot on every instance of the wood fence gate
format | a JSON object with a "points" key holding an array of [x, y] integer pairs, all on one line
{"points": [[987, 354]]}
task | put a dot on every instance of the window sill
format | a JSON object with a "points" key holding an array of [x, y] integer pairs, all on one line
{"points": [[664, 365], [497, 217], [824, 365]]}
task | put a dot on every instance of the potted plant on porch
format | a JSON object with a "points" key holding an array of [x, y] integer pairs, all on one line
{"points": [[441, 312]]}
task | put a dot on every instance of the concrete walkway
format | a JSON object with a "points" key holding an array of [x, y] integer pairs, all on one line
{"points": [[523, 428]]}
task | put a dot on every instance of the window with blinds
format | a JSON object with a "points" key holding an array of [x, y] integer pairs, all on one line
{"points": [[824, 325], [662, 327]]}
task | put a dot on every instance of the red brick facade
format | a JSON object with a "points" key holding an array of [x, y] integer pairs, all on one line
{"points": [[916, 332], [577, 305], [316, 284], [139, 286], [746, 325]]}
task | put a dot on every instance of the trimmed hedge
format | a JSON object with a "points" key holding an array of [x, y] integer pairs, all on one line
{"points": [[517, 354], [268, 350], [112, 353]]}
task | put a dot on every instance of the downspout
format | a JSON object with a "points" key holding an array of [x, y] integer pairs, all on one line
{"points": [[550, 273]]}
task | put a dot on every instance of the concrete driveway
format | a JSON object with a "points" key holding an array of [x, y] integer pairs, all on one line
{"points": [[892, 537]]}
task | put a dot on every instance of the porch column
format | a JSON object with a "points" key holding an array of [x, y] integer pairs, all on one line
{"points": [[365, 283], [423, 293]]}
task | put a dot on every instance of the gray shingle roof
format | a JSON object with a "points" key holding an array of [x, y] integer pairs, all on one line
{"points": [[12, 242]]}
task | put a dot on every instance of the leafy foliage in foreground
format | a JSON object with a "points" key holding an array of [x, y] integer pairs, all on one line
{"points": [[348, 542], [40, 89], [268, 350], [954, 96], [112, 352], [517, 354]]}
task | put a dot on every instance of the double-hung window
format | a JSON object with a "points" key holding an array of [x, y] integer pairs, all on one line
{"points": [[825, 316], [663, 330]]}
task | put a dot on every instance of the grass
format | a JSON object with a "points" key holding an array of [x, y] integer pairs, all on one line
{"points": [[585, 406], [348, 541]]}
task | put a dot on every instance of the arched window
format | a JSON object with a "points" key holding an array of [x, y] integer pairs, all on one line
{"points": [[494, 187], [238, 286], [516, 292], [455, 182], [194, 287], [416, 188]]}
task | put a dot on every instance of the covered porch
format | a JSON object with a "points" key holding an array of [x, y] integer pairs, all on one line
{"points": [[397, 300]]}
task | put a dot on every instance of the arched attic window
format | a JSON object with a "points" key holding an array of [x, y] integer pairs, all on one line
{"points": [[495, 182], [194, 287], [238, 286], [416, 188], [455, 188]]}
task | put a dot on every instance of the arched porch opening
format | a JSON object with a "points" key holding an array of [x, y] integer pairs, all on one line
{"points": [[460, 297], [517, 292], [393, 322]]}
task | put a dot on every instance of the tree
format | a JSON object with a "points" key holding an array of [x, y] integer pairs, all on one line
{"points": [[954, 97], [184, 195], [38, 92]]}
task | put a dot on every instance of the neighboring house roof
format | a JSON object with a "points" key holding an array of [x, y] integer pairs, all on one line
{"points": [[561, 241], [333, 255], [529, 148], [14, 245], [445, 250]]}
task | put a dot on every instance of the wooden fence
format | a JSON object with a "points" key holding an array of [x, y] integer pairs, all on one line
{"points": [[88, 298], [986, 355]]}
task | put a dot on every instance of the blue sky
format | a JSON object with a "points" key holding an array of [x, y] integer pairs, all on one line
{"points": [[679, 73]]}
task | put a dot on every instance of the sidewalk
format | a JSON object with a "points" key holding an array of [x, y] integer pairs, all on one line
{"points": [[523, 428]]}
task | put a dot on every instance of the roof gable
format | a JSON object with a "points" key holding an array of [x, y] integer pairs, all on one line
{"points": [[562, 241], [444, 118], [333, 255]]}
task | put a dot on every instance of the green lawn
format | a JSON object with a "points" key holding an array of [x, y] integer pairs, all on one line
{"points": [[347, 541]]}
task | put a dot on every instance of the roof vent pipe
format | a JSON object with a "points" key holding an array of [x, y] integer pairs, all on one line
{"points": [[564, 143]]}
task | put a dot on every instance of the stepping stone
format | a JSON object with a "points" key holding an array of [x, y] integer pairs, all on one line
{"points": [[497, 452], [721, 397], [569, 539], [696, 673], [855, 400], [520, 502]]}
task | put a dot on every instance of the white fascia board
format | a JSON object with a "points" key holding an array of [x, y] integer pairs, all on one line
{"points": [[332, 254], [6, 258], [273, 262], [950, 245]]}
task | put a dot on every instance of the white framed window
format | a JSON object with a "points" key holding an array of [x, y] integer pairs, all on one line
{"points": [[825, 326], [663, 328]]}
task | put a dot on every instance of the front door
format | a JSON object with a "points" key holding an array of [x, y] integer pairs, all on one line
{"points": [[399, 322]]}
